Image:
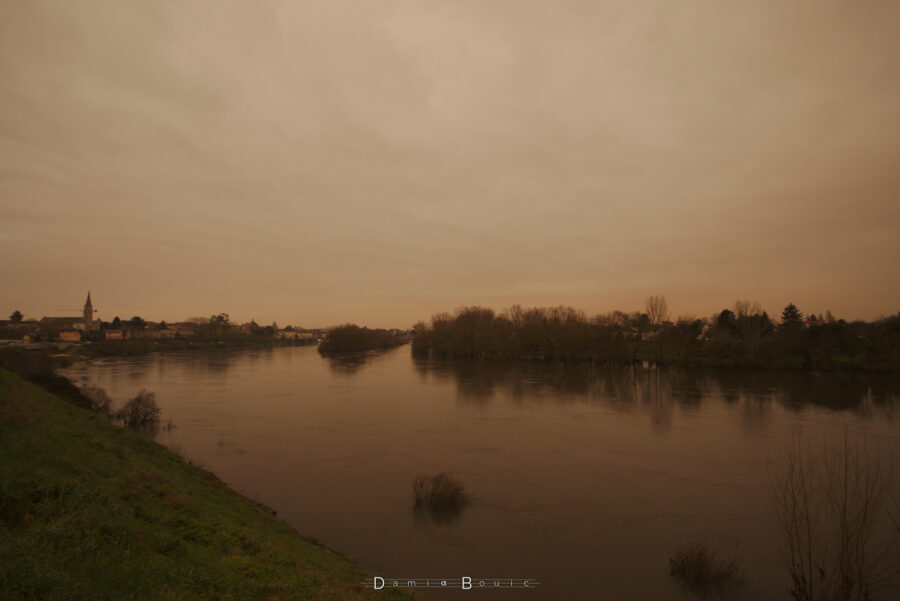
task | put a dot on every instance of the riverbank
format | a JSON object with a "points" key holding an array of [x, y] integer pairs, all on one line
{"points": [[143, 346], [89, 510]]}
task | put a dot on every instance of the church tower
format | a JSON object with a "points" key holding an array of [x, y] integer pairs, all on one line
{"points": [[88, 310]]}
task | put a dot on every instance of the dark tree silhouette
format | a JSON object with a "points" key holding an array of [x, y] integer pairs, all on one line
{"points": [[791, 315], [352, 338], [745, 336]]}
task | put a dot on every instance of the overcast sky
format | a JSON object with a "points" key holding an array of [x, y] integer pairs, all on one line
{"points": [[380, 161]]}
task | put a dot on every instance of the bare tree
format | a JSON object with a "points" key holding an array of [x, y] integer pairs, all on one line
{"points": [[514, 314], [657, 309], [830, 506], [746, 308], [752, 323]]}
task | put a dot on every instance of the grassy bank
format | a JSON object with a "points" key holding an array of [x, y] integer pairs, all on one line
{"points": [[92, 511]]}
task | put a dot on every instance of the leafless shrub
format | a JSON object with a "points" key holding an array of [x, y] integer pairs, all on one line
{"points": [[698, 570], [141, 411], [831, 510], [100, 401], [441, 496]]}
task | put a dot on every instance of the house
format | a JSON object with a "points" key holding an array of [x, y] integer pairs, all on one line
{"points": [[166, 333], [70, 335], [70, 323], [113, 334], [12, 335], [17, 331]]}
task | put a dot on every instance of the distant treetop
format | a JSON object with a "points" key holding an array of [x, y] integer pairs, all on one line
{"points": [[791, 315]]}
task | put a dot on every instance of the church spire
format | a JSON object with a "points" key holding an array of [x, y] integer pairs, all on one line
{"points": [[88, 309]]}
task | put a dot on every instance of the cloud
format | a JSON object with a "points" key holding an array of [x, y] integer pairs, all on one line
{"points": [[196, 157]]}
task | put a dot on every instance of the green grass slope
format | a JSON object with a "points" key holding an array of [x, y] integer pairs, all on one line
{"points": [[92, 511]]}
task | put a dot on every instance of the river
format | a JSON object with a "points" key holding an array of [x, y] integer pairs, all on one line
{"points": [[583, 479]]}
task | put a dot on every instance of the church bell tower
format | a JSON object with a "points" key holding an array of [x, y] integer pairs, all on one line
{"points": [[88, 310]]}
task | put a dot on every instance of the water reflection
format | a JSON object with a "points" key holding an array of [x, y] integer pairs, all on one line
{"points": [[349, 364], [425, 518], [658, 389], [216, 361], [149, 431], [438, 499], [226, 447]]}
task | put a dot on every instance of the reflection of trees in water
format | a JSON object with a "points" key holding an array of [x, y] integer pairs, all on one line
{"points": [[214, 360], [425, 517], [481, 381], [656, 396], [348, 364], [223, 360], [200, 361], [658, 389], [149, 431]]}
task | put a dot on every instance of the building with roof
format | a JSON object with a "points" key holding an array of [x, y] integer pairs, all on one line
{"points": [[84, 323]]}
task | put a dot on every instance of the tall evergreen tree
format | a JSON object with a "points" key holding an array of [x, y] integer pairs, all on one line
{"points": [[791, 315]]}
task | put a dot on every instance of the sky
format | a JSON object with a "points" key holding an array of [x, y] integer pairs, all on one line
{"points": [[376, 162]]}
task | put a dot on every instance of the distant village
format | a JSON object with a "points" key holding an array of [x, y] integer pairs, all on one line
{"points": [[17, 330]]}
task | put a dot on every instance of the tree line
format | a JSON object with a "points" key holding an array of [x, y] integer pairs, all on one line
{"points": [[743, 335], [352, 338]]}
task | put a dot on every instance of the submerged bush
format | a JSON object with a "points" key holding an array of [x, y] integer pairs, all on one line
{"points": [[696, 567], [441, 496], [140, 411]]}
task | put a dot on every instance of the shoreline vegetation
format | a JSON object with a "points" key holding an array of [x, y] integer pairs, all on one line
{"points": [[350, 338], [91, 510], [744, 336]]}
